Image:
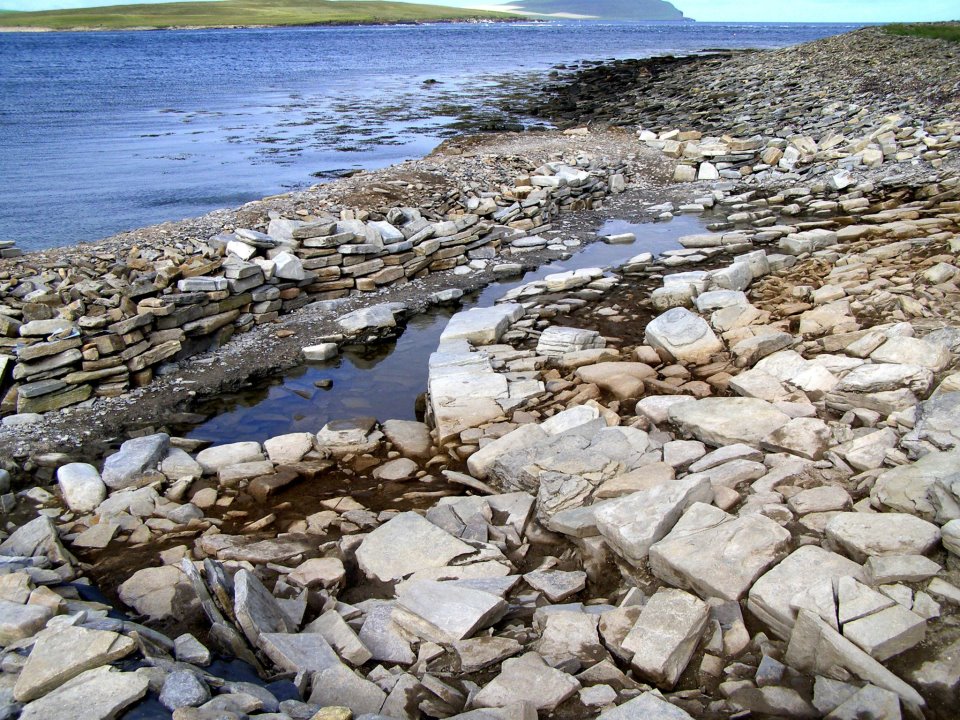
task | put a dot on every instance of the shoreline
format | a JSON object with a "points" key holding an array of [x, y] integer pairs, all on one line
{"points": [[637, 489]]}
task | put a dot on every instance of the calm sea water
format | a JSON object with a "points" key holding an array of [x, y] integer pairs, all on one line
{"points": [[103, 132]]}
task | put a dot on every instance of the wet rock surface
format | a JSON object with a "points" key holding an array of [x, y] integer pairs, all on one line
{"points": [[715, 482]]}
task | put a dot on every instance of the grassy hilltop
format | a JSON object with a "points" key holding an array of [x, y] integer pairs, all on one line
{"points": [[231, 13]]}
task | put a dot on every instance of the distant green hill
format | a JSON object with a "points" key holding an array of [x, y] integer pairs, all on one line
{"points": [[232, 13], [606, 9]]}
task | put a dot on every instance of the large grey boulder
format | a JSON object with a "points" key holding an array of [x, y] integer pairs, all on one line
{"points": [[521, 438], [862, 535], [183, 688], [633, 523], [665, 635], [178, 464], [888, 632], [405, 544], [386, 641], [81, 486], [481, 652], [125, 467], [288, 448], [589, 453], [718, 555], [727, 421], [567, 635], [683, 336]]}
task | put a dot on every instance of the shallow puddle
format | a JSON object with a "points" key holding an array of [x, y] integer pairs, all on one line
{"points": [[384, 380]]}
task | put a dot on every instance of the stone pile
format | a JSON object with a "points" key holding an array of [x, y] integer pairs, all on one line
{"points": [[98, 326], [716, 483]]}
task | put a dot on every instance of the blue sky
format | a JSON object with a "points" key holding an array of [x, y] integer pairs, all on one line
{"points": [[705, 10]]}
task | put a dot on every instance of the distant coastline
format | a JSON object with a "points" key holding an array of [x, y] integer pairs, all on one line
{"points": [[330, 23], [232, 14]]}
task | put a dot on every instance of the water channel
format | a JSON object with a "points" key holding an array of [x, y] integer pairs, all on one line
{"points": [[384, 380]]}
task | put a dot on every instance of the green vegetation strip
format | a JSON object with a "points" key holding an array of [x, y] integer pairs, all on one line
{"points": [[233, 13], [934, 31]]}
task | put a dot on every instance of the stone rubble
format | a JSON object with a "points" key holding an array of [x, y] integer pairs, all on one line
{"points": [[716, 483]]}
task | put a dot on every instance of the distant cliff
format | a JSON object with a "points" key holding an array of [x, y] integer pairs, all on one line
{"points": [[606, 9]]}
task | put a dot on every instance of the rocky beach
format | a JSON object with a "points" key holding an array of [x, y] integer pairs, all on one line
{"points": [[717, 481]]}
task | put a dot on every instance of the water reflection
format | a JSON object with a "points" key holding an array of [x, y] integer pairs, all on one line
{"points": [[384, 380]]}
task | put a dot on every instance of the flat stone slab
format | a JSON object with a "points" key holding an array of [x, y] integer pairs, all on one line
{"points": [[412, 439], [341, 637], [557, 585], [385, 640], [482, 326], [623, 380], [569, 635], [18, 621], [888, 632], [309, 652], [557, 340], [376, 317], [405, 544], [649, 706], [665, 635], [527, 679], [256, 609], [817, 649], [339, 686], [62, 653], [631, 524], [885, 569], [100, 694], [727, 421], [444, 612], [157, 592], [771, 597], [922, 488], [862, 535], [715, 554], [481, 652]]}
